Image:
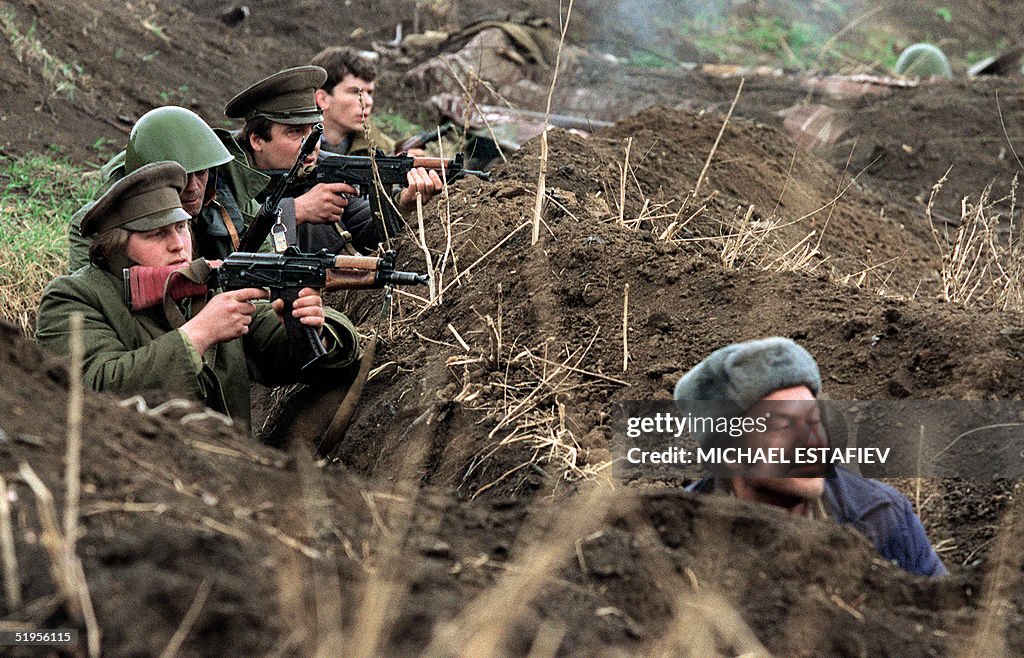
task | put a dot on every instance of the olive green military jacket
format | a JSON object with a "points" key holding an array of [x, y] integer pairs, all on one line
{"points": [[130, 353], [357, 144], [211, 235], [247, 184]]}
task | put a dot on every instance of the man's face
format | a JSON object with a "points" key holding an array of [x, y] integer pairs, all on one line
{"points": [[793, 420], [348, 105], [194, 193], [280, 151], [167, 245]]}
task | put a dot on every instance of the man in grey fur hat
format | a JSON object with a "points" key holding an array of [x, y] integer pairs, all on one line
{"points": [[777, 380]]}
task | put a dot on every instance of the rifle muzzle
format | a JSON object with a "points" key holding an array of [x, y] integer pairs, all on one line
{"points": [[404, 278]]}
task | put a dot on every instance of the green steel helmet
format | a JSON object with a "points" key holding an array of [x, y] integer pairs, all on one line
{"points": [[174, 133], [923, 59]]}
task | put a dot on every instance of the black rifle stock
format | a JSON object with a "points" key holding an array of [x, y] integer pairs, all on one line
{"points": [[284, 275]]}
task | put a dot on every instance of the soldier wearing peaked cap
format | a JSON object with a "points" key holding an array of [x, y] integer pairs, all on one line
{"points": [[279, 111], [284, 97], [211, 356], [178, 134]]}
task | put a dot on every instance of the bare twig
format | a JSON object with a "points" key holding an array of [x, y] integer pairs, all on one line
{"points": [[625, 327], [1006, 134], [542, 173], [714, 147], [72, 472], [622, 183], [12, 583], [189, 620], [432, 280]]}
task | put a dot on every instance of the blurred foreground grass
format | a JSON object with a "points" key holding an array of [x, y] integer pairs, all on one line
{"points": [[38, 195]]}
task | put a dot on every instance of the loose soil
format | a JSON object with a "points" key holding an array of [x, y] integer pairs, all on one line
{"points": [[461, 512]]}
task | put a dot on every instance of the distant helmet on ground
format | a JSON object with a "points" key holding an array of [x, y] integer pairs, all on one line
{"points": [[923, 59], [174, 133]]}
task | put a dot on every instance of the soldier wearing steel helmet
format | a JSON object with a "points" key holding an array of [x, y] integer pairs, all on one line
{"points": [[175, 134]]}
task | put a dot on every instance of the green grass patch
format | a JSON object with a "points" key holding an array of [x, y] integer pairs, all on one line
{"points": [[63, 77], [395, 125], [771, 40], [38, 195]]}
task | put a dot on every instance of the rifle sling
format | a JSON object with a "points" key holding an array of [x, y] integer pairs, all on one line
{"points": [[230, 225]]}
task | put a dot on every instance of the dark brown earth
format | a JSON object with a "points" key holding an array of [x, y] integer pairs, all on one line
{"points": [[459, 514]]}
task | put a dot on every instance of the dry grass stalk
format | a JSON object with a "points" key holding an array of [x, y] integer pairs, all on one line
{"points": [[189, 620], [1009, 142], [73, 470], [52, 538], [448, 254], [469, 98], [530, 414], [548, 639], [703, 622], [432, 281], [622, 183], [12, 583], [481, 629], [458, 337], [389, 576], [757, 244], [625, 327], [981, 260], [714, 147], [482, 258], [326, 584], [542, 173], [65, 567], [990, 634], [735, 243], [670, 231]]}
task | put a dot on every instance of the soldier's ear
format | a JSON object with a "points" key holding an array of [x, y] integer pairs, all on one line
{"points": [[256, 142], [322, 98]]}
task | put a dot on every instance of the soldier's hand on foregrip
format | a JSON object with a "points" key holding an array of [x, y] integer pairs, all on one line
{"points": [[225, 317], [425, 182]]}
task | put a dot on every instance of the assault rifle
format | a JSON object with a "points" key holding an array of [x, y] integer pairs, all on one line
{"points": [[419, 140], [270, 211], [357, 171], [283, 274]]}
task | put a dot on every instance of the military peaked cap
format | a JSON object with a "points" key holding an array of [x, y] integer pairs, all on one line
{"points": [[145, 199], [285, 97]]}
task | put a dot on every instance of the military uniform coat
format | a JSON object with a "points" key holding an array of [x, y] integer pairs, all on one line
{"points": [[128, 353]]}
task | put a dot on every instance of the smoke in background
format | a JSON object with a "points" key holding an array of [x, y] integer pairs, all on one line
{"points": [[688, 31]]}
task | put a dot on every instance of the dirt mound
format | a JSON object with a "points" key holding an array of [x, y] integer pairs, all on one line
{"points": [[497, 402], [78, 75], [181, 514], [526, 351]]}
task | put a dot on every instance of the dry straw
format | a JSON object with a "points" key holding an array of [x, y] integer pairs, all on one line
{"points": [[542, 173], [12, 582], [982, 259]]}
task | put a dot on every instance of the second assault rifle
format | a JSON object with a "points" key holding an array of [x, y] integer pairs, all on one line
{"points": [[358, 171], [283, 274]]}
